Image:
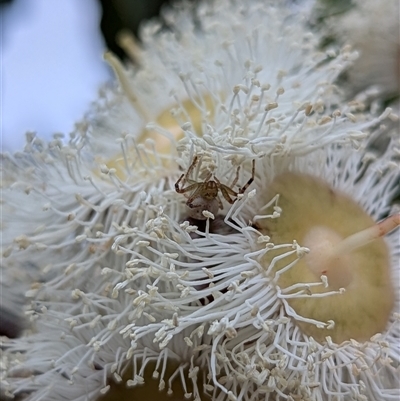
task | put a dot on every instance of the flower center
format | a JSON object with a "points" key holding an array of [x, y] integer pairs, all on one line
{"points": [[342, 287], [169, 121], [167, 125], [323, 261]]}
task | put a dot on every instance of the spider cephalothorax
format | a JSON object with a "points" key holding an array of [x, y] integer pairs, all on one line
{"points": [[204, 195]]}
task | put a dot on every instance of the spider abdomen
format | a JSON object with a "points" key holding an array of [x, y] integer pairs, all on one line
{"points": [[200, 204]]}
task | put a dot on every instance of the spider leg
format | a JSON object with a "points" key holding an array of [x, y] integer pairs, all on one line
{"points": [[184, 177], [236, 178], [243, 189], [226, 191], [192, 166], [177, 189], [220, 205], [193, 187], [197, 189]]}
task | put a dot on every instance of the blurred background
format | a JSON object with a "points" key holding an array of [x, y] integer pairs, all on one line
{"points": [[51, 60], [51, 68]]}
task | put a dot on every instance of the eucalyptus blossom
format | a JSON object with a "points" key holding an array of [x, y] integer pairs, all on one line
{"points": [[132, 289]]}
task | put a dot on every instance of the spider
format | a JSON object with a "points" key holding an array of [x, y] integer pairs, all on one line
{"points": [[204, 195]]}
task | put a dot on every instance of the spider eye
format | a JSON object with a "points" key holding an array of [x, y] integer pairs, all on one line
{"points": [[211, 194]]}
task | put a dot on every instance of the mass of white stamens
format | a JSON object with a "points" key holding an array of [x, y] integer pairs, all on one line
{"points": [[162, 297], [256, 105], [125, 280]]}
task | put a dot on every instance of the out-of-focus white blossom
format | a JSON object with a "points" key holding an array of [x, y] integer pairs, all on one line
{"points": [[372, 28], [129, 279]]}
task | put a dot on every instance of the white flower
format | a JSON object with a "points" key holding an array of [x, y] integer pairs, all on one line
{"points": [[129, 280], [372, 28]]}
